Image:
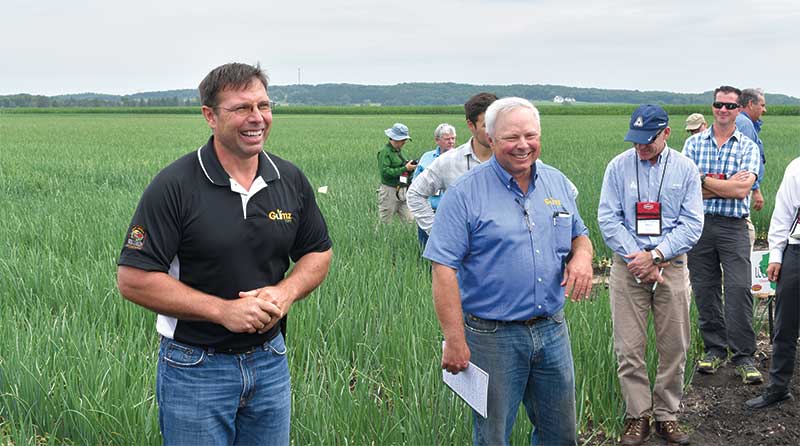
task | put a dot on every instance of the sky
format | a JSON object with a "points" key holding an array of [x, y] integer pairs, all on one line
{"points": [[53, 47]]}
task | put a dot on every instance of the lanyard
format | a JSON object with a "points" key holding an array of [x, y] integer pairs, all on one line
{"points": [[663, 174]]}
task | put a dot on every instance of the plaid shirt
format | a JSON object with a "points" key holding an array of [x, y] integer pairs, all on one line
{"points": [[737, 154]]}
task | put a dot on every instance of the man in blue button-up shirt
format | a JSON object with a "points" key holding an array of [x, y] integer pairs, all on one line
{"points": [[649, 272], [753, 105], [729, 163], [500, 248]]}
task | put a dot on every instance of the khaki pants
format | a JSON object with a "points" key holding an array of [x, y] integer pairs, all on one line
{"points": [[631, 303], [392, 201]]}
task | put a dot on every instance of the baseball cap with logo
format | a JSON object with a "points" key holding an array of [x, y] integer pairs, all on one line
{"points": [[646, 122], [398, 132], [694, 121]]}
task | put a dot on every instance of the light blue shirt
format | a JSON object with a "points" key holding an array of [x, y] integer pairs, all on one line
{"points": [[424, 161], [681, 203], [509, 248], [751, 130]]}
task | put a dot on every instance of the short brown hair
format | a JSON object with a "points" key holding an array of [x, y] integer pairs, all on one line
{"points": [[477, 105], [727, 89], [231, 76]]}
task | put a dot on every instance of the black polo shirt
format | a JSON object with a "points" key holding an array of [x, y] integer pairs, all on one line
{"points": [[195, 223]]}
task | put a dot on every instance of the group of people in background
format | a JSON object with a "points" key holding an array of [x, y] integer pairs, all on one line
{"points": [[508, 245], [211, 242]]}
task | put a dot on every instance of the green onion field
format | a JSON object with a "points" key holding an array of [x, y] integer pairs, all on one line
{"points": [[78, 362]]}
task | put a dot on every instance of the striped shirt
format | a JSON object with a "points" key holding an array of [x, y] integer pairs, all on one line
{"points": [[737, 154]]}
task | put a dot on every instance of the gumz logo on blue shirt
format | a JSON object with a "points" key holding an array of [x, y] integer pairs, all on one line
{"points": [[279, 215], [552, 202]]}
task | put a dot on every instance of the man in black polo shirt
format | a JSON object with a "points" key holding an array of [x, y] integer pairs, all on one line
{"points": [[207, 249]]}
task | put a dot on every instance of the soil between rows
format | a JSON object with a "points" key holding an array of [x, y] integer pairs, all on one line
{"points": [[713, 411]]}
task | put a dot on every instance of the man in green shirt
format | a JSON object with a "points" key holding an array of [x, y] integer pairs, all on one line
{"points": [[395, 171]]}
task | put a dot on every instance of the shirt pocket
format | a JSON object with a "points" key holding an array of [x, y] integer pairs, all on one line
{"points": [[562, 231], [671, 200]]}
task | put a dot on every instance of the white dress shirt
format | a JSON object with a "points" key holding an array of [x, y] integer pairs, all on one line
{"points": [[787, 203]]}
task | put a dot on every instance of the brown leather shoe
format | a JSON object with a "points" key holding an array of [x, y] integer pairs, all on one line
{"points": [[637, 431], [671, 431]]}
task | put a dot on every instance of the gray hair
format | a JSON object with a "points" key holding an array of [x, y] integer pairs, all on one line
{"points": [[444, 129], [506, 105], [750, 95]]}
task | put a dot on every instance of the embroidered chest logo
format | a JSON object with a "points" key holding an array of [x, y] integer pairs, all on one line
{"points": [[279, 215], [552, 202], [135, 238]]}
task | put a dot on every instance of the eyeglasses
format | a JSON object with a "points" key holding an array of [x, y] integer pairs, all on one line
{"points": [[245, 109], [655, 137], [727, 105]]}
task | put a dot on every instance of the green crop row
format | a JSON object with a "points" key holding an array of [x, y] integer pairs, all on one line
{"points": [[77, 362]]}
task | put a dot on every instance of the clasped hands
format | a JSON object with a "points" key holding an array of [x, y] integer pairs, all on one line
{"points": [[643, 268], [256, 311]]}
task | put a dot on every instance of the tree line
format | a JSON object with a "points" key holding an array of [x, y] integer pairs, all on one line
{"points": [[406, 94]]}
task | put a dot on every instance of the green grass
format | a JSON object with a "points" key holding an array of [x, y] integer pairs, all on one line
{"points": [[77, 362]]}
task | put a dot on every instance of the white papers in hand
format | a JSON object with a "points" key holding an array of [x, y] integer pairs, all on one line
{"points": [[471, 385]]}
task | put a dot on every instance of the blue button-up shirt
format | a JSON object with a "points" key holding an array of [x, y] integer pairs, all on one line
{"points": [[424, 161], [680, 196], [508, 247], [751, 129], [737, 154]]}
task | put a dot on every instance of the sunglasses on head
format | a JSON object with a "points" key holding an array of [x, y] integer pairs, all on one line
{"points": [[727, 105]]}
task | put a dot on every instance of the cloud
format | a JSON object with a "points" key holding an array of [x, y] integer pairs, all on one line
{"points": [[53, 47]]}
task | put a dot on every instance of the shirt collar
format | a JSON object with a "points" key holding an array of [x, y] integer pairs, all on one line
{"points": [[746, 115], [468, 152], [216, 174], [660, 159], [506, 177], [709, 132], [756, 124]]}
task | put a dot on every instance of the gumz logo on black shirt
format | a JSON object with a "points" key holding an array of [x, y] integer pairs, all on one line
{"points": [[136, 238], [279, 215]]}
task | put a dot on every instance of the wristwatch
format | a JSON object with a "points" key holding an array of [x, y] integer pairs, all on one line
{"points": [[657, 257], [702, 179]]}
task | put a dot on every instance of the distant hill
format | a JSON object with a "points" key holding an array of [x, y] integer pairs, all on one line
{"points": [[400, 94]]}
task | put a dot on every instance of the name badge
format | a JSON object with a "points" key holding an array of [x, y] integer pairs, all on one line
{"points": [[648, 218]]}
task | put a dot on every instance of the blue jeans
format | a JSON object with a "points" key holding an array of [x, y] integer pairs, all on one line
{"points": [[223, 399], [422, 236], [528, 364]]}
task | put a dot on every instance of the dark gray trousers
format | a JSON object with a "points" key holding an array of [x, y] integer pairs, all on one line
{"points": [[787, 321], [724, 324]]}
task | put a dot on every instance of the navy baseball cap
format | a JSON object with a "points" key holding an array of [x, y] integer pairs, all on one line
{"points": [[646, 122]]}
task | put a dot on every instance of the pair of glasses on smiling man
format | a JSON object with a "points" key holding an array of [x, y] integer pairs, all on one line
{"points": [[245, 109]]}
